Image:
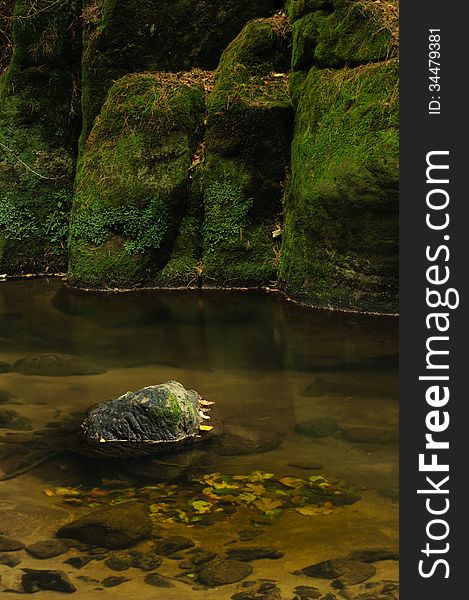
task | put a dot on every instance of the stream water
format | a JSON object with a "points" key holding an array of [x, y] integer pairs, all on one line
{"points": [[302, 393]]}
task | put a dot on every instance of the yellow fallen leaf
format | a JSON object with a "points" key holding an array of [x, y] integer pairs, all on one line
{"points": [[65, 491], [256, 489], [292, 482], [267, 504], [48, 492], [309, 511], [205, 427]]}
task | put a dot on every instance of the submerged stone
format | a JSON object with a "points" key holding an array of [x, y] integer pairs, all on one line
{"points": [[318, 427], [35, 580], [239, 440], [10, 545], [117, 527], [154, 419], [56, 365], [222, 572], [47, 548], [350, 572]]}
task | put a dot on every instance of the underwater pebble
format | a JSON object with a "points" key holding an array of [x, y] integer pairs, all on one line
{"points": [[118, 563], [224, 571], [254, 553], [113, 581], [78, 562], [158, 581], [173, 544], [8, 560], [146, 562], [35, 580], [47, 549], [10, 545]]}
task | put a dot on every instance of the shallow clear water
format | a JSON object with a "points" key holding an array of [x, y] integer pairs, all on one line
{"points": [[269, 366]]}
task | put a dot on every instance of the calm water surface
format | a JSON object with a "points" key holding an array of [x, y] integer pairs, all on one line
{"points": [[270, 366]]}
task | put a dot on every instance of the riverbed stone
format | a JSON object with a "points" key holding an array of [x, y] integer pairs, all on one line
{"points": [[146, 562], [158, 581], [253, 553], [305, 465], [369, 435], [374, 555], [9, 560], [318, 427], [117, 527], [4, 368], [118, 562], [173, 544], [239, 440], [36, 580], [9, 544], [223, 571], [78, 562], [56, 365], [113, 581], [199, 556], [349, 572], [47, 548], [307, 592]]}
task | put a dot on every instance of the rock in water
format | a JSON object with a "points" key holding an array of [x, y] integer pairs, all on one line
{"points": [[117, 527], [154, 419], [56, 365]]}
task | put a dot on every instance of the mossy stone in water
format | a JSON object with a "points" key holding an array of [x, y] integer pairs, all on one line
{"points": [[117, 527], [247, 147], [56, 365], [152, 420]]}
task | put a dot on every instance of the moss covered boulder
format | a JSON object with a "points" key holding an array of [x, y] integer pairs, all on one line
{"points": [[247, 148], [348, 33], [340, 243], [133, 179], [125, 36], [152, 420], [39, 116]]}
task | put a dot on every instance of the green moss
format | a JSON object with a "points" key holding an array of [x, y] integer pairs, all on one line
{"points": [[356, 33], [38, 117], [124, 36], [132, 180], [340, 245], [247, 150], [295, 9]]}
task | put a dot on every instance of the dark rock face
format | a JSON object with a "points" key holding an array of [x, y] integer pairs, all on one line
{"points": [[154, 419], [223, 572], [120, 526], [37, 580], [56, 365]]}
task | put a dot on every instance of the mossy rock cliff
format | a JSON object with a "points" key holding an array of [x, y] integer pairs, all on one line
{"points": [[124, 36], [340, 243], [349, 34], [247, 146], [133, 179], [39, 116]]}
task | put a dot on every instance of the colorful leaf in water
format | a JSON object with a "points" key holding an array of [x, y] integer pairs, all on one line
{"points": [[201, 506], [267, 505], [292, 482]]}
